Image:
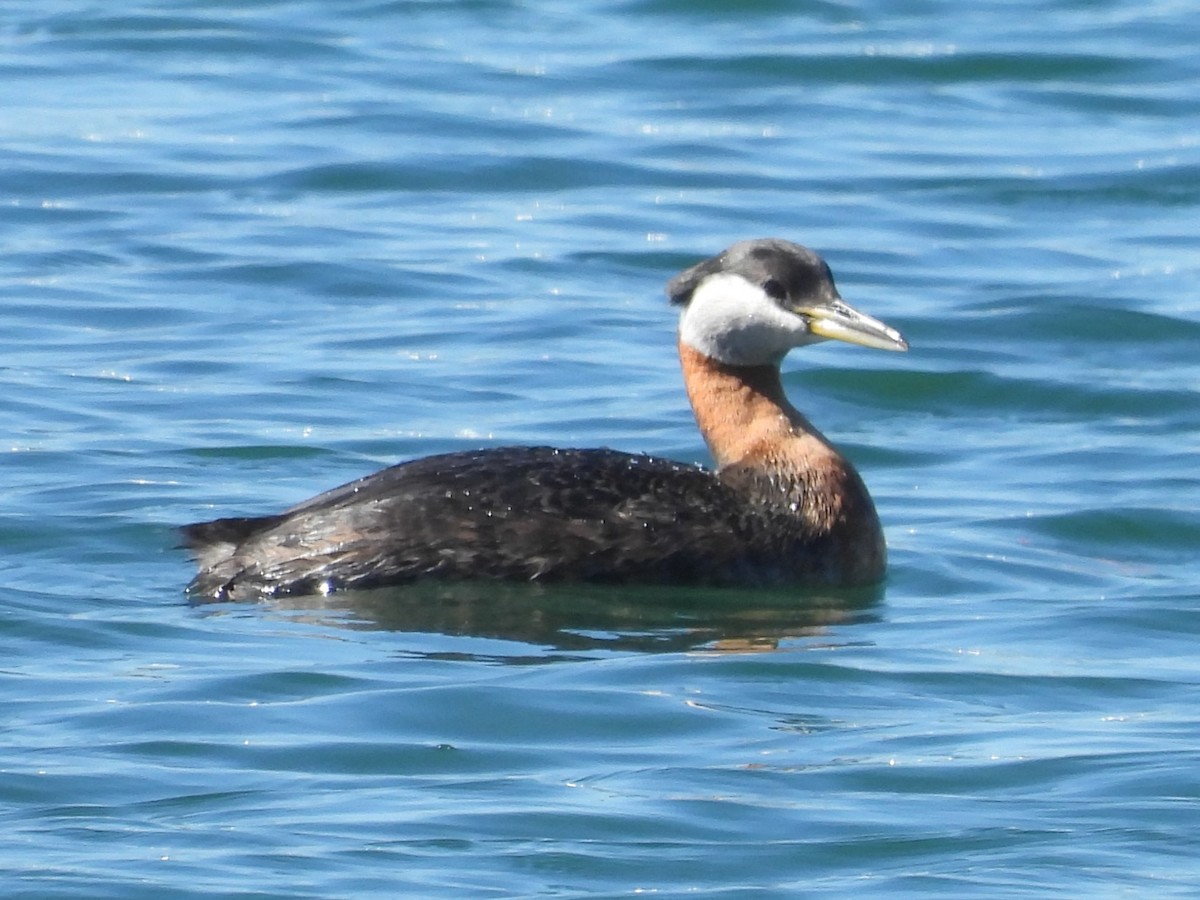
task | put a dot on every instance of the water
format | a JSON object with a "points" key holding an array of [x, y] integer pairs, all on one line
{"points": [[255, 250]]}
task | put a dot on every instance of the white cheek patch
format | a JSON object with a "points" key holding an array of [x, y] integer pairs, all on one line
{"points": [[731, 320]]}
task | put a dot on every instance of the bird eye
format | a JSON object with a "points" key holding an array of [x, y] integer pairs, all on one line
{"points": [[774, 289]]}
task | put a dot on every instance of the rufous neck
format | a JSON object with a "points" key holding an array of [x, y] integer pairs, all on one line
{"points": [[743, 412]]}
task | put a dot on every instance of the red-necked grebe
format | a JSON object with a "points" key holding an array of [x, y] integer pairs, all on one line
{"points": [[782, 507]]}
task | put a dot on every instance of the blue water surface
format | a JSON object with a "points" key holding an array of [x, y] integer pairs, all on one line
{"points": [[254, 250]]}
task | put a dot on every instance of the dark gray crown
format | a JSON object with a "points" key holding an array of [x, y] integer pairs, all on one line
{"points": [[786, 271]]}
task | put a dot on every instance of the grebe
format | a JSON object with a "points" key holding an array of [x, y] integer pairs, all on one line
{"points": [[782, 507]]}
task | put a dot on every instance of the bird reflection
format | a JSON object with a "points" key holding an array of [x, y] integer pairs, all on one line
{"points": [[573, 618]]}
